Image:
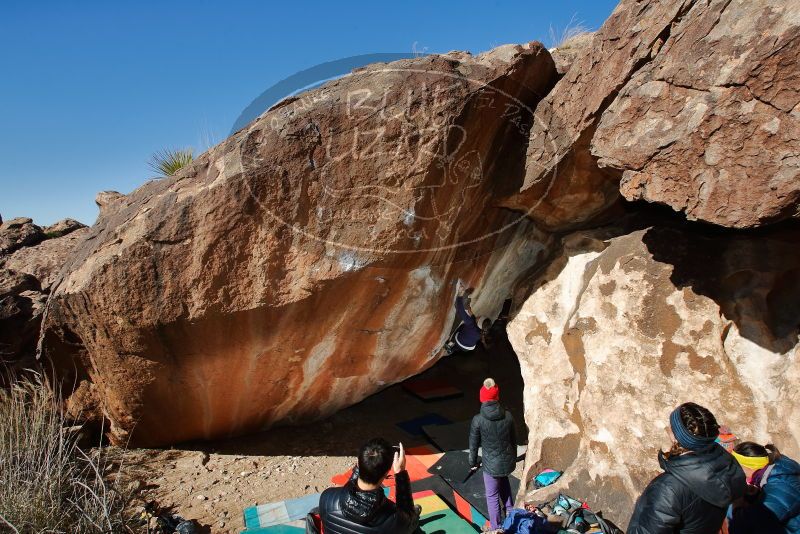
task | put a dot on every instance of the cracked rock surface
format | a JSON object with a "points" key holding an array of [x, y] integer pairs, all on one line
{"points": [[711, 126], [627, 323], [690, 104]]}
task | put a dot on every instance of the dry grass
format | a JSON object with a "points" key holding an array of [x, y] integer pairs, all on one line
{"points": [[48, 483], [557, 38]]}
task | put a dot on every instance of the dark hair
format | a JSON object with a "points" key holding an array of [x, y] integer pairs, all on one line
{"points": [[748, 448], [374, 460], [699, 421]]}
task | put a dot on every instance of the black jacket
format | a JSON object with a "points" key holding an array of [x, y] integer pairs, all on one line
{"points": [[350, 510], [493, 429], [691, 496]]}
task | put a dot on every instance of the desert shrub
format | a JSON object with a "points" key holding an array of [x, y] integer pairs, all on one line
{"points": [[559, 38], [47, 482], [169, 161]]}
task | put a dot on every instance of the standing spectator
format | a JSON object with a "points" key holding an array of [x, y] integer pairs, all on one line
{"points": [[493, 429], [772, 504], [699, 482]]}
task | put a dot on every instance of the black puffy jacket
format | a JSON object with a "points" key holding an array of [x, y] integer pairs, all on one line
{"points": [[350, 510], [493, 429], [691, 496]]}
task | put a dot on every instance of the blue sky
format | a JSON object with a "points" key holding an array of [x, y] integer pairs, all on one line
{"points": [[91, 89]]}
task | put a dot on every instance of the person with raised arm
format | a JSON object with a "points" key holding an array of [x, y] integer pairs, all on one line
{"points": [[360, 506]]}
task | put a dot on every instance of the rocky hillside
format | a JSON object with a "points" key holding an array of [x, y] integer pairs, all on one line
{"points": [[639, 197], [30, 259]]}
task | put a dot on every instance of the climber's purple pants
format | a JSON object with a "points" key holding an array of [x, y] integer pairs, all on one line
{"points": [[498, 498]]}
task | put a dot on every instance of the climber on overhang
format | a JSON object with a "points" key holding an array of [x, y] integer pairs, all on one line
{"points": [[468, 333]]}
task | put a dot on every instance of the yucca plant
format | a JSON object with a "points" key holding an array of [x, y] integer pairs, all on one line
{"points": [[170, 160]]}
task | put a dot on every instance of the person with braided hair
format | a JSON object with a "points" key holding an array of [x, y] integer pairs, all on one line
{"points": [[699, 482]]}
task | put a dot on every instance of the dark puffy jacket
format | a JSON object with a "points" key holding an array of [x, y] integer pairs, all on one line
{"points": [[468, 333], [691, 496], [493, 429], [350, 510], [776, 509]]}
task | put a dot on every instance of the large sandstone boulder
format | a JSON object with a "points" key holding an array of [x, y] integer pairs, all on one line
{"points": [[690, 104], [626, 324], [715, 136], [310, 259]]}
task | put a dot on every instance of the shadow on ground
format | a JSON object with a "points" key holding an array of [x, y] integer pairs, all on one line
{"points": [[377, 416]]}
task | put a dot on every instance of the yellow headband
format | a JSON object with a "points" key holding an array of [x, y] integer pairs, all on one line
{"points": [[751, 462]]}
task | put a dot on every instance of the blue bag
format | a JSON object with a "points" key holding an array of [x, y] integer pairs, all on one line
{"points": [[521, 521], [545, 478]]}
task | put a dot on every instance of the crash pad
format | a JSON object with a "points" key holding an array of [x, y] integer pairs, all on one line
{"points": [[455, 501], [280, 512], [431, 389], [453, 467], [414, 426], [455, 437], [295, 527], [437, 517], [449, 437], [427, 455]]}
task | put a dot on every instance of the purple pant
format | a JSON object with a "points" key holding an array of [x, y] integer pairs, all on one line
{"points": [[498, 498]]}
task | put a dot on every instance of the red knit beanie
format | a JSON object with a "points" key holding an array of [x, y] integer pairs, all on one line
{"points": [[489, 391]]}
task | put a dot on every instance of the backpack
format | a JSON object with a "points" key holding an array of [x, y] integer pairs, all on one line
{"points": [[577, 516], [581, 519]]}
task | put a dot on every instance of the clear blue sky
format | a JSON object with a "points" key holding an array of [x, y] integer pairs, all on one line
{"points": [[91, 89]]}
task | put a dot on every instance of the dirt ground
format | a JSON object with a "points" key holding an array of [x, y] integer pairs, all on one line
{"points": [[213, 482]]}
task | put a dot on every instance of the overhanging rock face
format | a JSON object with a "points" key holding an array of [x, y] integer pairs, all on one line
{"points": [[310, 259]]}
